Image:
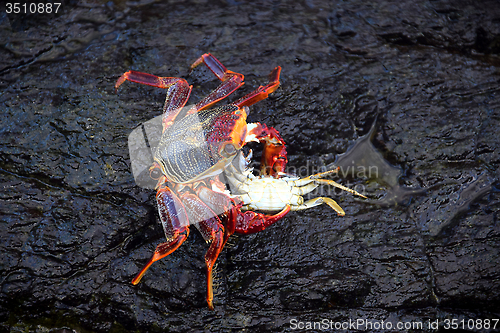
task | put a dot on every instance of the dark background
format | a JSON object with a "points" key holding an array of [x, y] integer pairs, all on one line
{"points": [[75, 228]]}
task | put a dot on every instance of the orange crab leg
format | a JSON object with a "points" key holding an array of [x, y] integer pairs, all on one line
{"points": [[212, 231], [147, 79], [225, 89], [177, 94], [261, 92], [215, 66], [230, 82], [174, 219], [274, 158], [210, 206], [221, 204], [163, 250]]}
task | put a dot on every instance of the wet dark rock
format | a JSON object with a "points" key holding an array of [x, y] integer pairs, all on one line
{"points": [[75, 228]]}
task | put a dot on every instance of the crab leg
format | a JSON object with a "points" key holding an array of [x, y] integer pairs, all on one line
{"points": [[177, 94], [274, 157], [174, 219], [316, 178], [261, 92], [319, 201], [163, 250], [225, 89], [214, 65], [222, 206], [250, 222], [212, 231], [230, 82]]}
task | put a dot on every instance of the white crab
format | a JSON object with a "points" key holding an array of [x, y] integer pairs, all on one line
{"points": [[269, 194]]}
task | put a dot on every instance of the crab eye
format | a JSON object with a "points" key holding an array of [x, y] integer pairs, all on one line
{"points": [[155, 173], [229, 150]]}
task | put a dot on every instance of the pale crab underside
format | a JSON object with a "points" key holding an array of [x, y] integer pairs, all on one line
{"points": [[270, 194]]}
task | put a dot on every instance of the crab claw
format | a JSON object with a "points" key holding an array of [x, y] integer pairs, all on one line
{"points": [[274, 156]]}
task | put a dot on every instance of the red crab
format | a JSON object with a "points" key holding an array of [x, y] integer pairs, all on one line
{"points": [[195, 149]]}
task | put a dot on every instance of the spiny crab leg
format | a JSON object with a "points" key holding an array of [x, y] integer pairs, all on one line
{"points": [[161, 251], [250, 222], [274, 155], [177, 94], [261, 92], [215, 66], [230, 82], [224, 75], [206, 206], [147, 79], [174, 220], [212, 231]]}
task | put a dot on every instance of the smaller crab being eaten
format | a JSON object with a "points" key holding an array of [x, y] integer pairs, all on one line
{"points": [[270, 193]]}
